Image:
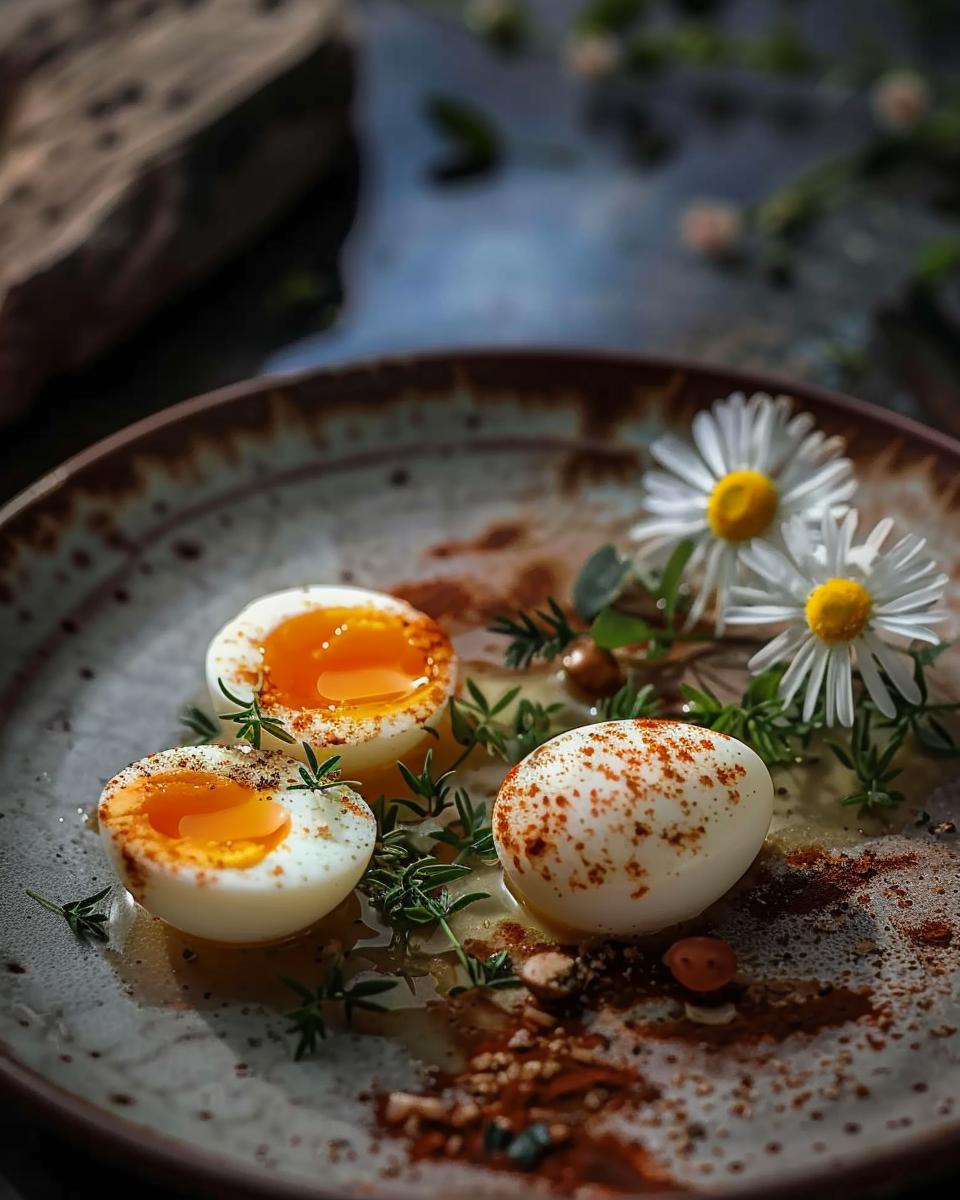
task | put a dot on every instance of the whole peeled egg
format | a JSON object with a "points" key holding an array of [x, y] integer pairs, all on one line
{"points": [[629, 827]]}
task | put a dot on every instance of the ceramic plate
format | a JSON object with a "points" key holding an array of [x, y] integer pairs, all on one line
{"points": [[472, 484]]}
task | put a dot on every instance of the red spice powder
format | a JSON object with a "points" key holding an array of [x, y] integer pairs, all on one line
{"points": [[815, 880], [931, 933]]}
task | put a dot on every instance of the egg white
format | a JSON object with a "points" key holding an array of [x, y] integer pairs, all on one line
{"points": [[363, 741], [316, 865], [628, 827]]}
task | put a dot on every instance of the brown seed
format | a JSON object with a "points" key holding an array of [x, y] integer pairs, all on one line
{"points": [[591, 669]]}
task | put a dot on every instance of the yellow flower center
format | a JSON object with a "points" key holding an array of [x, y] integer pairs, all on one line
{"points": [[838, 610], [742, 505]]}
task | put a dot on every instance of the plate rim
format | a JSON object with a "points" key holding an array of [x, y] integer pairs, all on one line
{"points": [[184, 410], [144, 1149]]}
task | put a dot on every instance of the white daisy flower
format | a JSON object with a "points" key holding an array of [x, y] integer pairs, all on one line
{"points": [[839, 599], [755, 466]]}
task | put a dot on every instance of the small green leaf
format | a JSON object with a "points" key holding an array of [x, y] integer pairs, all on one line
{"points": [[496, 1137], [528, 1147], [612, 629], [609, 16], [671, 577], [475, 145], [600, 581], [936, 261]]}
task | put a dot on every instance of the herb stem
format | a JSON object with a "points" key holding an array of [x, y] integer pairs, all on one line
{"points": [[48, 904]]}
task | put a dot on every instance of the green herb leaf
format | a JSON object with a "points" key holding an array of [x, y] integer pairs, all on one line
{"points": [[609, 16], [84, 922], [475, 722], [475, 145], [600, 582], [320, 776], [203, 727], [307, 1021], [671, 578], [937, 260], [542, 634], [433, 791], [475, 839], [612, 629], [251, 722], [529, 1147], [496, 1137], [630, 702], [760, 718]]}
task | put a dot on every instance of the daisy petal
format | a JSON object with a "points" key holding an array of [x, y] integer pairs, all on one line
{"points": [[815, 683], [878, 535], [760, 614], [913, 600], [831, 691], [780, 649], [709, 583], [831, 474], [728, 569], [663, 525], [895, 667], [844, 684], [907, 629], [798, 670], [707, 439], [875, 686], [671, 453]]}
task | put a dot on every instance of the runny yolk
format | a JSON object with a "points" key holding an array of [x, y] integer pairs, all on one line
{"points": [[206, 807], [334, 658]]}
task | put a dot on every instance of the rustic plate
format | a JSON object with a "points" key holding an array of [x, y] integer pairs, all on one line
{"points": [[469, 482]]}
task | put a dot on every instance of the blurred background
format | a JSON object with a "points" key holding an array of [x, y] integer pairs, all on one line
{"points": [[193, 192], [196, 191]]}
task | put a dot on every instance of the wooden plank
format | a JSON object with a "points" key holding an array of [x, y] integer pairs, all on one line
{"points": [[142, 142]]}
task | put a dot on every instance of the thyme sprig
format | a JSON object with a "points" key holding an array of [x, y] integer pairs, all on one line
{"points": [[251, 721], [200, 724], [925, 719], [308, 1021], [871, 764], [432, 790], [761, 719], [79, 914], [874, 742], [475, 839], [475, 721], [320, 776], [494, 972], [631, 701], [408, 887], [525, 1148], [540, 634]]}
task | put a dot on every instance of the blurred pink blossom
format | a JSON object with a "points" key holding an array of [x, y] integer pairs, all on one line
{"points": [[592, 55], [900, 99], [711, 227]]}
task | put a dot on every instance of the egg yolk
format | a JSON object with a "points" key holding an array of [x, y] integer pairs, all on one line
{"points": [[204, 807], [347, 658]]}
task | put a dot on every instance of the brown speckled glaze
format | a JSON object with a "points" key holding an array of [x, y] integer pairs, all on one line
{"points": [[467, 484]]}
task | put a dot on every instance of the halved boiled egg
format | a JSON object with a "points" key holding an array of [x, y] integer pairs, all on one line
{"points": [[339, 667], [219, 842], [629, 827]]}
